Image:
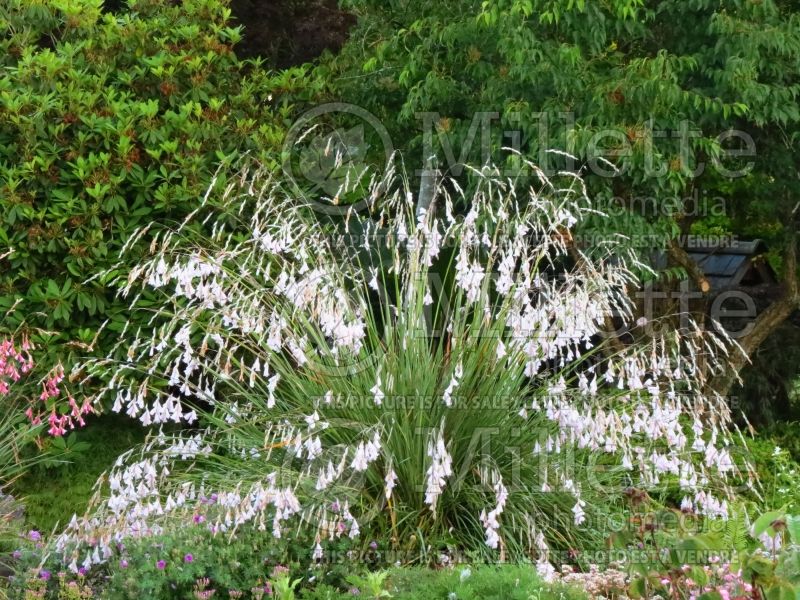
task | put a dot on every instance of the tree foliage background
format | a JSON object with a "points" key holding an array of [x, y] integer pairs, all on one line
{"points": [[656, 88]]}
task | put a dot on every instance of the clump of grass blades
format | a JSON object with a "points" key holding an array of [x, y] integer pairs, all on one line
{"points": [[436, 378]]}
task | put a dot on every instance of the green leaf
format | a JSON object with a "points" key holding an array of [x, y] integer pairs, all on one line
{"points": [[793, 527], [783, 591], [638, 588], [762, 524], [760, 565]]}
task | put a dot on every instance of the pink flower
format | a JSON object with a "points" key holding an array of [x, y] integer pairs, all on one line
{"points": [[161, 565], [280, 571]]}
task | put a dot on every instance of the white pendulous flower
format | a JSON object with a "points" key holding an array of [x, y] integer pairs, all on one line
{"points": [[490, 519], [390, 482], [366, 453], [377, 393], [447, 396], [271, 387], [317, 554], [578, 512], [469, 276], [441, 467], [280, 302]]}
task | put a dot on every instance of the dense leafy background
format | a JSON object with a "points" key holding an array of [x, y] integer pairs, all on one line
{"points": [[110, 122]]}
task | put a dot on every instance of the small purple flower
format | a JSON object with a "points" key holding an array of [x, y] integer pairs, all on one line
{"points": [[335, 506], [354, 591], [123, 564], [44, 574], [161, 565], [188, 558], [82, 571], [258, 592], [16, 555], [199, 518], [373, 545], [34, 535]]}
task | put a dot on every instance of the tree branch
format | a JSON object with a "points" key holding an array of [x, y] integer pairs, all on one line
{"points": [[767, 322], [680, 256]]}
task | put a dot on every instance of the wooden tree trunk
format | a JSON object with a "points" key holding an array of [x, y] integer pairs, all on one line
{"points": [[765, 324]]}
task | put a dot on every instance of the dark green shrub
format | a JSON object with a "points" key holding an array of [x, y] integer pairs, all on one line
{"points": [[109, 122]]}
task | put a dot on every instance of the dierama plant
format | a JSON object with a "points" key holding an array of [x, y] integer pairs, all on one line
{"points": [[48, 405], [16, 366], [437, 380], [16, 362]]}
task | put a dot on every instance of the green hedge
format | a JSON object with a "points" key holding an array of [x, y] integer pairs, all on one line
{"points": [[109, 122]]}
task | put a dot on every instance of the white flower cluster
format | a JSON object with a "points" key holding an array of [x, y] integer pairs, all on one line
{"points": [[258, 320], [441, 467], [490, 520]]}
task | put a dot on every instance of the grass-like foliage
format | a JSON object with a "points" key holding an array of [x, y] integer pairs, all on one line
{"points": [[436, 380]]}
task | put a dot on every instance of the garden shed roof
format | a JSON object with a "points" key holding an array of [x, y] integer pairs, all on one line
{"points": [[735, 264]]}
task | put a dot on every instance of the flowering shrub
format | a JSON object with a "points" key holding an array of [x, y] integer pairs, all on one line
{"points": [[608, 583], [442, 380]]}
